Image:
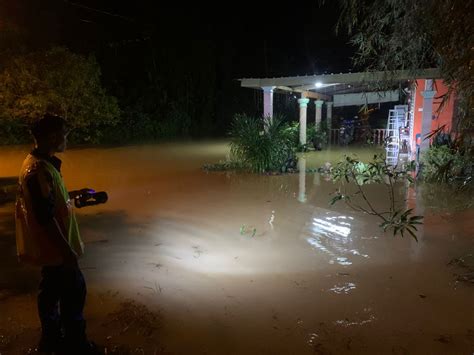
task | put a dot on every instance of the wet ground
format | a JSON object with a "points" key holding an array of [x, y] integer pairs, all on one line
{"points": [[182, 261]]}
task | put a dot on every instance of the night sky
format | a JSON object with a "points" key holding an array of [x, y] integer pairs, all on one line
{"points": [[267, 38], [173, 43]]}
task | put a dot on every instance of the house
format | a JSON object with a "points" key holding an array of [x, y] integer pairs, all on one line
{"points": [[420, 114]]}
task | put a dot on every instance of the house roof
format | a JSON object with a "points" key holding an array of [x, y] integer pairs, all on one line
{"points": [[325, 85]]}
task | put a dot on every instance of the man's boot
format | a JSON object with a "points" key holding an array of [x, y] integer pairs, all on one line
{"points": [[51, 337], [75, 339]]}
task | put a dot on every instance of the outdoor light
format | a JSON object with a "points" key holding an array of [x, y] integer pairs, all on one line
{"points": [[318, 84]]}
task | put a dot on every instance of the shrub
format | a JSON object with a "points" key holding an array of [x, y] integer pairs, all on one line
{"points": [[262, 149], [442, 164]]}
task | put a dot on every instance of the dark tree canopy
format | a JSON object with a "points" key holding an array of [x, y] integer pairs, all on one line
{"points": [[404, 34], [56, 81]]}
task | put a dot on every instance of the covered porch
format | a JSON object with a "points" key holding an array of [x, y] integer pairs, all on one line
{"points": [[342, 90]]}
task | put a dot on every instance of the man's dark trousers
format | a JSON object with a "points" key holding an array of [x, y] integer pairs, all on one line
{"points": [[61, 299]]}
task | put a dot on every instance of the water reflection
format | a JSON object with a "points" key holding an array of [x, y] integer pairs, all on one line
{"points": [[302, 179], [312, 339], [344, 288], [326, 227], [332, 236], [272, 218], [317, 179], [348, 323]]}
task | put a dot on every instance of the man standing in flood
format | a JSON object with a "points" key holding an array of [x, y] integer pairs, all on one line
{"points": [[47, 235]]}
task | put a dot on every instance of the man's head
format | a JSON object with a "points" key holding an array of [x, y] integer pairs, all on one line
{"points": [[50, 133]]}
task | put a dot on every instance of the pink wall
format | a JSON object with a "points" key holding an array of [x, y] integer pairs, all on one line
{"points": [[420, 86], [444, 116]]}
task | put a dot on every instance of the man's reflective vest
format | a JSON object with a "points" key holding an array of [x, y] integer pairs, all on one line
{"points": [[34, 245]]}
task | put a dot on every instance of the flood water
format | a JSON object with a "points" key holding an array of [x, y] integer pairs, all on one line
{"points": [[247, 264]]}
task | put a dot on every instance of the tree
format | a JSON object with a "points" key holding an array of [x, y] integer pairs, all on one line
{"points": [[404, 34], [60, 82]]}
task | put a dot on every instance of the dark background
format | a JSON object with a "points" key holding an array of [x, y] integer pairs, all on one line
{"points": [[186, 57]]}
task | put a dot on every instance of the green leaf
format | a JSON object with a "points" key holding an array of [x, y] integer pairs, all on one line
{"points": [[384, 225], [254, 232], [412, 234], [336, 198], [395, 230]]}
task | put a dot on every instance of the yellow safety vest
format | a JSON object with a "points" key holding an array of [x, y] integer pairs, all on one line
{"points": [[34, 246]]}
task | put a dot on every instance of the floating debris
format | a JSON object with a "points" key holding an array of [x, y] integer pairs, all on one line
{"points": [[465, 263], [251, 231], [132, 316], [343, 288]]}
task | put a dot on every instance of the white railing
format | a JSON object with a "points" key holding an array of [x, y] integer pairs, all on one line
{"points": [[378, 135]]}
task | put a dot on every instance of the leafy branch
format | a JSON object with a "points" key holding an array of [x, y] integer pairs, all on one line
{"points": [[351, 171]]}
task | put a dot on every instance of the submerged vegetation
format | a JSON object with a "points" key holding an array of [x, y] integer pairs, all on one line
{"points": [[443, 164], [259, 146], [448, 160], [262, 146], [316, 136]]}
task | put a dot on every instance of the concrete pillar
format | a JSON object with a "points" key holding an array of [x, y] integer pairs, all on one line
{"points": [[302, 179], [319, 106], [268, 103], [329, 114], [426, 119], [303, 108]]}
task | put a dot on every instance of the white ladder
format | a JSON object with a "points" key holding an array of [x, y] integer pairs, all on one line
{"points": [[404, 138], [396, 120]]}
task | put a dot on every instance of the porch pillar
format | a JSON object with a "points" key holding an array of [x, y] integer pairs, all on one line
{"points": [[319, 105], [329, 114], [426, 119], [303, 107], [268, 103]]}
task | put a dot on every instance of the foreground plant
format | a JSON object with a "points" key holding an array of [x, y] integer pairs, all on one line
{"points": [[448, 160], [352, 172]]}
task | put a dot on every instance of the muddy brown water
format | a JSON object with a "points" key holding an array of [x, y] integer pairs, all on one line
{"points": [[246, 264]]}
